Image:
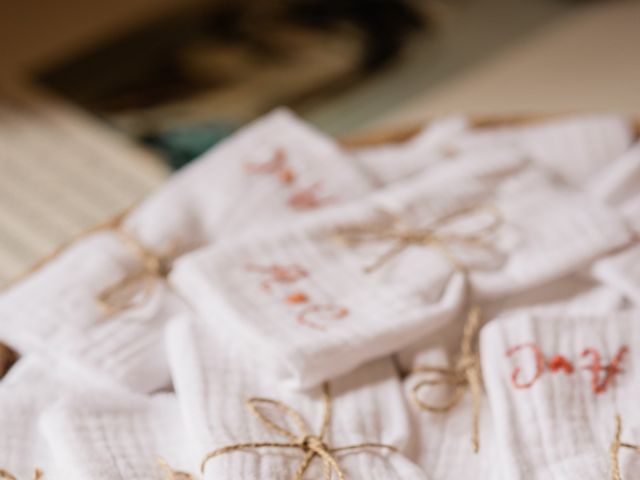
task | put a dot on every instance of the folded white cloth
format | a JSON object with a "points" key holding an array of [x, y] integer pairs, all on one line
{"points": [[441, 440], [216, 374], [126, 438], [32, 386], [555, 382], [573, 149], [227, 192], [389, 163], [619, 187], [305, 297]]}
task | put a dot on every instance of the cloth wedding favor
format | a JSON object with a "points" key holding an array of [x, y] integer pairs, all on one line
{"points": [[619, 187], [103, 300], [128, 438], [245, 425], [363, 280], [555, 384], [33, 385], [464, 304]]}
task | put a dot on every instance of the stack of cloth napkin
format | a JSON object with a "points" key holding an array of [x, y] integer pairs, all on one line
{"points": [[463, 304]]}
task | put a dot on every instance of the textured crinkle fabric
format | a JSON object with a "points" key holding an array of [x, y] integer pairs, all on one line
{"points": [[573, 149], [555, 384], [228, 192], [274, 170], [305, 295], [126, 438], [386, 164], [618, 186], [32, 386], [216, 374], [315, 285], [441, 440]]}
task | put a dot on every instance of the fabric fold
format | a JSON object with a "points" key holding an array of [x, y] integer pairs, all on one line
{"points": [[324, 301], [104, 300], [555, 383], [216, 374]]}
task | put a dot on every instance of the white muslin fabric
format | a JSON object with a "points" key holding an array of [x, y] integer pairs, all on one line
{"points": [[441, 440], [304, 295], [553, 411], [386, 164], [619, 186], [31, 386], [127, 438], [216, 374], [227, 192], [572, 149]]}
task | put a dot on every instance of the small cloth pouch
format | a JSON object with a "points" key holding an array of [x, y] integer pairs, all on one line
{"points": [[228, 397], [555, 383], [441, 438], [572, 149], [306, 295], [619, 186], [386, 164], [103, 300], [128, 438], [26, 392]]}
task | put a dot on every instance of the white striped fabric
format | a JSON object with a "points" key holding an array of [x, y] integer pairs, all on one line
{"points": [[55, 310], [216, 373], [553, 411]]}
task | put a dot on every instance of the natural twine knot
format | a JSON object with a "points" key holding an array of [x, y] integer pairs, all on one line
{"points": [[6, 475], [137, 287], [170, 473], [616, 445], [397, 229], [312, 446], [312, 443], [465, 374]]}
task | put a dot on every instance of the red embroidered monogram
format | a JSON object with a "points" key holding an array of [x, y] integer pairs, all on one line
{"points": [[279, 274], [277, 163], [310, 316], [601, 375], [559, 362], [297, 297], [318, 312], [306, 198], [539, 358], [597, 368], [309, 198]]}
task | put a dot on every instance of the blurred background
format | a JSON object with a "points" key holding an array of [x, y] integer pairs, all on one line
{"points": [[101, 100]]}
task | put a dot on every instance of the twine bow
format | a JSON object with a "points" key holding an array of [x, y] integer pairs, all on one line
{"points": [[465, 373], [136, 288], [616, 445], [311, 445], [6, 475], [170, 473], [396, 229]]}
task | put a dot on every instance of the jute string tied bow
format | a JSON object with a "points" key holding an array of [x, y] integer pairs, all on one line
{"points": [[396, 229], [464, 374], [310, 445], [5, 475], [170, 473], [616, 445], [136, 287]]}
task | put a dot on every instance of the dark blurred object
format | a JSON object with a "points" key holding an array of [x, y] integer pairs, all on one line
{"points": [[7, 358], [182, 83]]}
